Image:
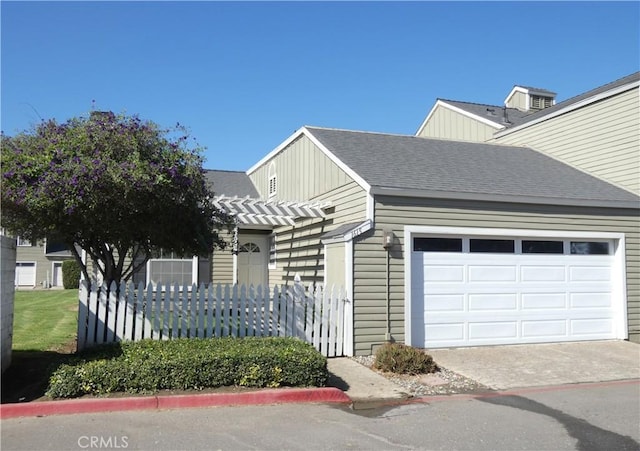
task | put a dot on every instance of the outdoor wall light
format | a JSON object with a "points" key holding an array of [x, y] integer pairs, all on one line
{"points": [[387, 237]]}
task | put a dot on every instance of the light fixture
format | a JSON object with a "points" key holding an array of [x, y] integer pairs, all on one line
{"points": [[387, 237]]}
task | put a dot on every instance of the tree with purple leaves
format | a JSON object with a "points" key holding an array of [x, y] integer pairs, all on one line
{"points": [[114, 186]]}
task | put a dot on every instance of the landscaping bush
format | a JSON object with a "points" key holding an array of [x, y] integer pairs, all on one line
{"points": [[402, 359], [70, 274], [149, 365]]}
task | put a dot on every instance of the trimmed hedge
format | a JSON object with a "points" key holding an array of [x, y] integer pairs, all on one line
{"points": [[70, 274], [149, 365]]}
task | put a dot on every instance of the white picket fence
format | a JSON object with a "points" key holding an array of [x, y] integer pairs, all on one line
{"points": [[164, 313]]}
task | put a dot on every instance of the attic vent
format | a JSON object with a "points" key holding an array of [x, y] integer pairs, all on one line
{"points": [[491, 112], [540, 102], [272, 179]]}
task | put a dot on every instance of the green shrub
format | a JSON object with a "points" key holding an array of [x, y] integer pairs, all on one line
{"points": [[402, 359], [149, 365], [70, 274]]}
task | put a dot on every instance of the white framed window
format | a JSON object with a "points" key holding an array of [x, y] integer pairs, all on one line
{"points": [[22, 241], [273, 179], [170, 268], [272, 252]]}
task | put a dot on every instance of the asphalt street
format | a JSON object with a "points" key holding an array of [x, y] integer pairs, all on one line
{"points": [[603, 416]]}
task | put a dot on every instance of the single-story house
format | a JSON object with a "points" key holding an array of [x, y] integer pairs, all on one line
{"points": [[441, 242]]}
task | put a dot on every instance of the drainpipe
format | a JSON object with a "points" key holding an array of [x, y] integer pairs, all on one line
{"points": [[388, 244]]}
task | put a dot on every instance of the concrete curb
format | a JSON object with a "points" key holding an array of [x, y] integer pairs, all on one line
{"points": [[93, 405]]}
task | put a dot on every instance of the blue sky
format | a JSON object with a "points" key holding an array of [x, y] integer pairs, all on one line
{"points": [[244, 76]]}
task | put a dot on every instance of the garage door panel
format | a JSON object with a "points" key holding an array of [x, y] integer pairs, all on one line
{"points": [[493, 301], [546, 301], [592, 327], [445, 303], [486, 273], [493, 330], [444, 273], [589, 300], [590, 273], [447, 332], [545, 328], [543, 274]]}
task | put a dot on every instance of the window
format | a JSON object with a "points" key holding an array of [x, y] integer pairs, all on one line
{"points": [[542, 247], [249, 247], [272, 252], [171, 272], [493, 246], [22, 242], [273, 180], [589, 247], [437, 244], [167, 267]]}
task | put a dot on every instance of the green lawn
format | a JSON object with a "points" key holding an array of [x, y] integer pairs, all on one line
{"points": [[44, 320]]}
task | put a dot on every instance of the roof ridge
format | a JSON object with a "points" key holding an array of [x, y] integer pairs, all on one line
{"points": [[404, 135], [224, 170], [470, 103]]}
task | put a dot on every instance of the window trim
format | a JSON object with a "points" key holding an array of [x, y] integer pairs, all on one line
{"points": [[21, 242]]}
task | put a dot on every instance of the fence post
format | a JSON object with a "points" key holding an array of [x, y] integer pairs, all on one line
{"points": [[83, 317]]}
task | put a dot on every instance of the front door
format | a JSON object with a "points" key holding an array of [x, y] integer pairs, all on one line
{"points": [[253, 258]]}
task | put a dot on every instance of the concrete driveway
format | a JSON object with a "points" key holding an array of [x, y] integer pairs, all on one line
{"points": [[515, 366]]}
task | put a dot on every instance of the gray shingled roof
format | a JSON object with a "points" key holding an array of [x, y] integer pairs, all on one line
{"points": [[465, 168], [558, 106], [494, 113], [231, 183]]}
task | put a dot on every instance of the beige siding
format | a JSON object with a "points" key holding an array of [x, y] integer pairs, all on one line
{"points": [[395, 213], [222, 262], [303, 173], [445, 123], [518, 100], [602, 138], [298, 248]]}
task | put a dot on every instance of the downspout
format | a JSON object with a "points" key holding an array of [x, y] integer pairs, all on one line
{"points": [[387, 243]]}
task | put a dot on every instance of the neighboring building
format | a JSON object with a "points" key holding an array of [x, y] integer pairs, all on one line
{"points": [[39, 265], [597, 132]]}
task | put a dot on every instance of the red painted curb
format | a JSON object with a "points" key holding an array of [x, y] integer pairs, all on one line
{"points": [[290, 395], [93, 405]]}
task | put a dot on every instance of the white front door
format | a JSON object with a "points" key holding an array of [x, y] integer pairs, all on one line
{"points": [[253, 258], [56, 280]]}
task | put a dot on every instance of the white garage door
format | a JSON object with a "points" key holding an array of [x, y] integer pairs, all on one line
{"points": [[25, 274], [487, 291]]}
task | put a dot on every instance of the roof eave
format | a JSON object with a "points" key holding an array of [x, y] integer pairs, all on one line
{"points": [[504, 198]]}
